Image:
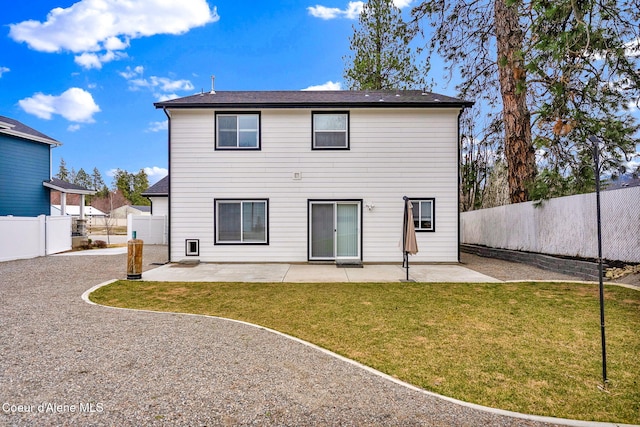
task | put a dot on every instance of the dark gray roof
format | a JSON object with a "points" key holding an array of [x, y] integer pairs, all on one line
{"points": [[67, 187], [142, 208], [160, 188], [20, 129], [315, 99]]}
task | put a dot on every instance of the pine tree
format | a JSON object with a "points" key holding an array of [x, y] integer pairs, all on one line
{"points": [[382, 57], [552, 73], [132, 186], [97, 183], [63, 173], [82, 179]]}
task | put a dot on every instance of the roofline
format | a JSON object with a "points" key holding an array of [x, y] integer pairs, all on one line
{"points": [[297, 105], [7, 128], [67, 190], [154, 194]]}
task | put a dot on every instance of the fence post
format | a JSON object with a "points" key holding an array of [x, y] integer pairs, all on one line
{"points": [[129, 226], [42, 235]]}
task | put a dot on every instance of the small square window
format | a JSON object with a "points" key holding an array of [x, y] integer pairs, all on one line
{"points": [[330, 130], [238, 131], [424, 214]]}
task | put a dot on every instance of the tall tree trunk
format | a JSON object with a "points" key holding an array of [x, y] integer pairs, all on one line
{"points": [[518, 146]]}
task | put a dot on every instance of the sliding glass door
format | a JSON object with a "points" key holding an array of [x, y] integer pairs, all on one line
{"points": [[334, 230]]}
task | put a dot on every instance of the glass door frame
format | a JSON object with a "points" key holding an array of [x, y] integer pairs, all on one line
{"points": [[335, 203]]}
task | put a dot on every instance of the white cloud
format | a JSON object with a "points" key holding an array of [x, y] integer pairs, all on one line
{"points": [[156, 171], [163, 88], [89, 60], [132, 72], [73, 128], [165, 84], [326, 86], [323, 12], [105, 27], [75, 105], [352, 11], [4, 70], [401, 4], [161, 97], [158, 126]]}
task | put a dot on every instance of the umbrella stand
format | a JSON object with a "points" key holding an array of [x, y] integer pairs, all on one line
{"points": [[405, 264], [405, 253]]}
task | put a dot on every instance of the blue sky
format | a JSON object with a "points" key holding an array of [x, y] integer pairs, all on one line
{"points": [[87, 72]]}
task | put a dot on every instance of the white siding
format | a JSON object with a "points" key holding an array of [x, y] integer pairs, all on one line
{"points": [[392, 153], [159, 206]]}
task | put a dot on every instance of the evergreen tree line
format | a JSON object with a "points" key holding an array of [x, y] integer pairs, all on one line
{"points": [[545, 76], [127, 185]]}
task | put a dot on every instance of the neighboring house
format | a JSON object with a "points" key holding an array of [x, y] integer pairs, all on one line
{"points": [[158, 194], [74, 211], [297, 176], [61, 190], [25, 163], [124, 211]]}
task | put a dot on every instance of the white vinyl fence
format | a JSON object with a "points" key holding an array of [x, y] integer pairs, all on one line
{"points": [[562, 226], [153, 230], [28, 237]]}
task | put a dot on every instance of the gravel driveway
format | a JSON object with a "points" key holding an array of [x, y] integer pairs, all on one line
{"points": [[71, 363]]}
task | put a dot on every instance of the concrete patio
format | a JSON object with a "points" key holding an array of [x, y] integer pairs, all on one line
{"points": [[305, 273]]}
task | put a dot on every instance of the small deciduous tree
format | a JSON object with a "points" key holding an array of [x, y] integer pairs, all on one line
{"points": [[479, 153]]}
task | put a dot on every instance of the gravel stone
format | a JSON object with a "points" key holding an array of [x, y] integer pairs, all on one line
{"points": [[73, 363]]}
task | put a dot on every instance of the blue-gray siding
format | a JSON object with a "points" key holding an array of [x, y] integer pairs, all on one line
{"points": [[24, 165]]}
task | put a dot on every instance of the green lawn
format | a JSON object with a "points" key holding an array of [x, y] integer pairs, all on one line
{"points": [[525, 347]]}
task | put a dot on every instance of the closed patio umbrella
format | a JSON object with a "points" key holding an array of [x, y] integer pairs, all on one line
{"points": [[409, 241]]}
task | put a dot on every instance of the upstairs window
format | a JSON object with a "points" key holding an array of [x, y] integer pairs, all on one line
{"points": [[424, 214], [238, 131], [330, 131]]}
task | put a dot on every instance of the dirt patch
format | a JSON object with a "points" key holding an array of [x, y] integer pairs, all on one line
{"points": [[507, 270]]}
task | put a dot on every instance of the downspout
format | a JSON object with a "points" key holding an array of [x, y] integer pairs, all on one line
{"points": [[459, 177], [169, 184]]}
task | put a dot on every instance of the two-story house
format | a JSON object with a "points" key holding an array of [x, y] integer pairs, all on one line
{"points": [[25, 163], [300, 176]]}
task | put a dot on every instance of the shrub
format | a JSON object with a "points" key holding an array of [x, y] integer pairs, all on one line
{"points": [[100, 244]]}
